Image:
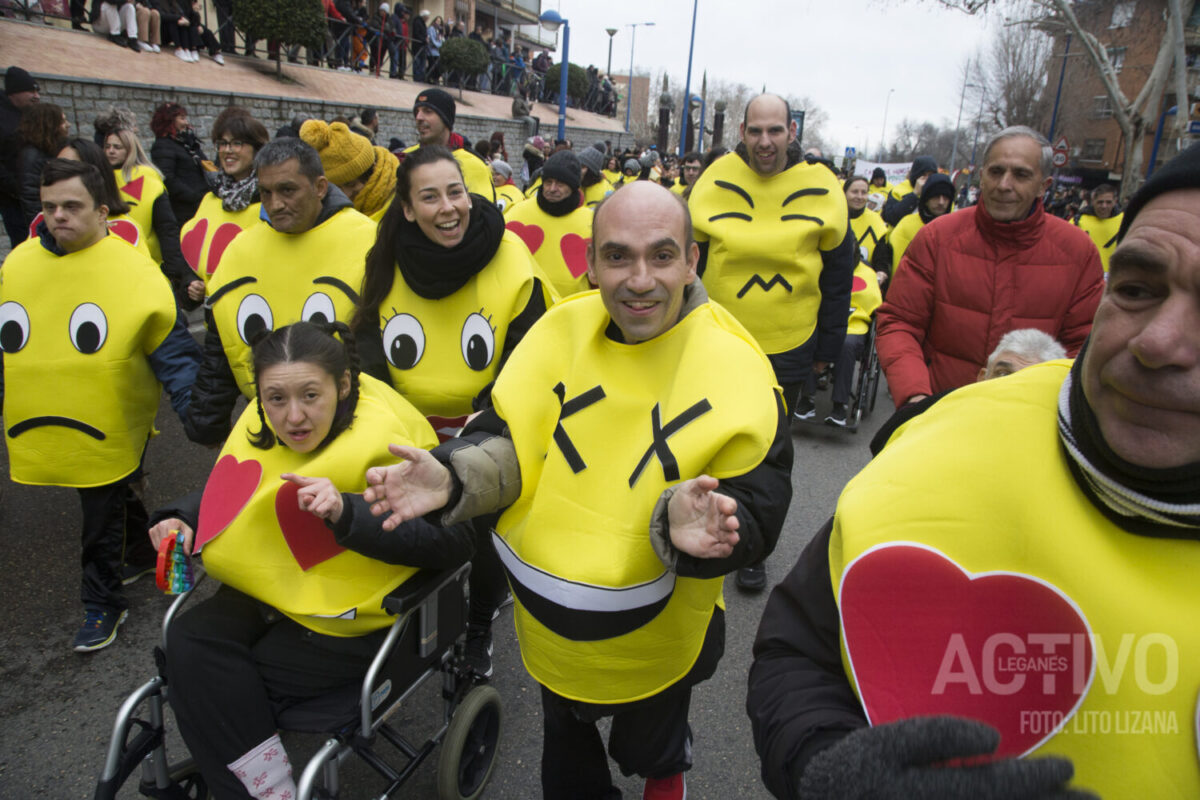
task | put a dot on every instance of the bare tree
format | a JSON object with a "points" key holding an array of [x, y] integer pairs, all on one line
{"points": [[1010, 78], [1134, 117]]}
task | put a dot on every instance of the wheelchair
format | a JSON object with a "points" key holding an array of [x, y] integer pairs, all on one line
{"points": [[865, 387], [425, 640]]}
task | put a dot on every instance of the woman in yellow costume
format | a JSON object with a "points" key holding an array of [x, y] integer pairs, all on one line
{"points": [[303, 564], [448, 294], [142, 188], [869, 228], [233, 204]]}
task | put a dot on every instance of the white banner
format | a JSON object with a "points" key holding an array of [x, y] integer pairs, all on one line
{"points": [[896, 173]]}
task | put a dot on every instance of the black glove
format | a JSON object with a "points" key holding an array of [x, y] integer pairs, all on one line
{"points": [[905, 760]]}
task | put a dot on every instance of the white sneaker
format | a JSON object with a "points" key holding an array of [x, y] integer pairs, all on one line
{"points": [[158, 49], [195, 56], [217, 57], [182, 54], [145, 47]]}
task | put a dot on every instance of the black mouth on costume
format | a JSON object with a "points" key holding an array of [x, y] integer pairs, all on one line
{"points": [[62, 422]]}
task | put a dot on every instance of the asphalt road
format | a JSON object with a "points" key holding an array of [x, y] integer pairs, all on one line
{"points": [[57, 706]]}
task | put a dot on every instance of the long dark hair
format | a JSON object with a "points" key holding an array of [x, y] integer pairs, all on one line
{"points": [[41, 126], [381, 258], [312, 343], [90, 153]]}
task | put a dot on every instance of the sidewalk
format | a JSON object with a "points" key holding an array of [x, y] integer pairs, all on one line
{"points": [[52, 51]]}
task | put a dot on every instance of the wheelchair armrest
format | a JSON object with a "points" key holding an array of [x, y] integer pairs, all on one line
{"points": [[410, 594]]}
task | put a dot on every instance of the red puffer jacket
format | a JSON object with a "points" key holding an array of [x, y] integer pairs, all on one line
{"points": [[967, 280]]}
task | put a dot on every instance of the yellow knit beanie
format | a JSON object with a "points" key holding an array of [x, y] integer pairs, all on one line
{"points": [[379, 188], [344, 154]]}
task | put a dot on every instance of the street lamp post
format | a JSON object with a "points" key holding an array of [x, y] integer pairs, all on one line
{"points": [[961, 98], [611, 33], [883, 131], [687, 84], [629, 85], [551, 20]]}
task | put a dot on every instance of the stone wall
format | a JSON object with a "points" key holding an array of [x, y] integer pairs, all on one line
{"points": [[83, 100]]}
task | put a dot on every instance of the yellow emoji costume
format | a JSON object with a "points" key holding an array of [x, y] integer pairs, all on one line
{"points": [[592, 195], [144, 186], [1103, 232], [270, 279], [507, 196], [865, 297], [254, 538], [81, 396], [869, 230], [559, 244], [204, 238], [601, 429], [765, 238]]}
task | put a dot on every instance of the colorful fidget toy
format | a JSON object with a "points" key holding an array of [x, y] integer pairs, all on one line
{"points": [[174, 573]]}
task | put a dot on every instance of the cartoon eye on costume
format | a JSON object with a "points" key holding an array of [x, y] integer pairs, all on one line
{"points": [[403, 341], [478, 342], [318, 308], [14, 327], [88, 328], [733, 187], [254, 315]]}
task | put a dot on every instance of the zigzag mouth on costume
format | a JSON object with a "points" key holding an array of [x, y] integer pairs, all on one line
{"points": [[62, 422], [756, 280], [583, 612]]}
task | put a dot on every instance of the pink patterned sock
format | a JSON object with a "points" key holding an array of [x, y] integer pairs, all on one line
{"points": [[266, 772]]}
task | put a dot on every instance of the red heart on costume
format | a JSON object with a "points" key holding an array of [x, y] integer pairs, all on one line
{"points": [[33, 233], [230, 486], [220, 240], [134, 188], [192, 242], [532, 235], [858, 284], [307, 536], [924, 637], [126, 229], [574, 253]]}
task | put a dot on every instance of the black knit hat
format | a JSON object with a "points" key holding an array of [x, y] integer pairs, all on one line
{"points": [[563, 166], [17, 80], [1181, 172], [440, 102]]}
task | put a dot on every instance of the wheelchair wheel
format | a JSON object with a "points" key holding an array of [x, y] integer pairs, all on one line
{"points": [[469, 748]]}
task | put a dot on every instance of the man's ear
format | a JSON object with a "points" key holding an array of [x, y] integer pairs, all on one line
{"points": [[591, 264], [322, 184], [792, 130]]}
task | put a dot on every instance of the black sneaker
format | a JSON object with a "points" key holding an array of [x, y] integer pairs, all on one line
{"points": [[837, 416], [806, 408], [752, 578], [505, 603], [478, 650], [99, 629], [130, 573]]}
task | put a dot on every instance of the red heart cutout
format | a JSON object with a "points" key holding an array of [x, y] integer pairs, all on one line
{"points": [[858, 284], [532, 235], [33, 234], [230, 486], [447, 428], [307, 536], [192, 242], [220, 240], [924, 636], [574, 253], [134, 188], [126, 229]]}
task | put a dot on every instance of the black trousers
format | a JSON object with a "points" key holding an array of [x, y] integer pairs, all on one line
{"points": [[114, 532], [792, 369], [234, 663], [843, 369], [649, 737], [488, 582]]}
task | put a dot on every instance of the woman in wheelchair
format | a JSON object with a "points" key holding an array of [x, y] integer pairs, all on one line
{"points": [[303, 563]]}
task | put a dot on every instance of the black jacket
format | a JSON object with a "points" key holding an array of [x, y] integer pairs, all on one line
{"points": [[183, 177], [30, 161], [10, 118]]}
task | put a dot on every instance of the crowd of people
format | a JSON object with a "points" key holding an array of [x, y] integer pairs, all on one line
{"points": [[580, 369]]}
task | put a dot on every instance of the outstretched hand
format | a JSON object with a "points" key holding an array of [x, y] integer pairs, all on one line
{"points": [[410, 489], [167, 528], [317, 496], [701, 520]]}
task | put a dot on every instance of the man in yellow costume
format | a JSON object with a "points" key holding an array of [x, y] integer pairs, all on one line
{"points": [[1003, 604], [631, 477], [91, 338], [306, 263], [777, 250], [1101, 221], [433, 114]]}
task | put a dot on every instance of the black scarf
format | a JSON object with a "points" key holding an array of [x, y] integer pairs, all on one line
{"points": [[562, 207], [856, 214], [433, 271], [1142, 500], [235, 195], [188, 140]]}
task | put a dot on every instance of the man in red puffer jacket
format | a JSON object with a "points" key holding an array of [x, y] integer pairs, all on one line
{"points": [[972, 276]]}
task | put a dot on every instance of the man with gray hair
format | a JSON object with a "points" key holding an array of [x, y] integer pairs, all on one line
{"points": [[975, 274], [304, 263], [1018, 350]]}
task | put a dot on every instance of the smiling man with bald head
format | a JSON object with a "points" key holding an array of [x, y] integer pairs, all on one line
{"points": [[1020, 531], [637, 452]]}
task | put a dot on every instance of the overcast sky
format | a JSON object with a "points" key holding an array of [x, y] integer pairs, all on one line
{"points": [[843, 54]]}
